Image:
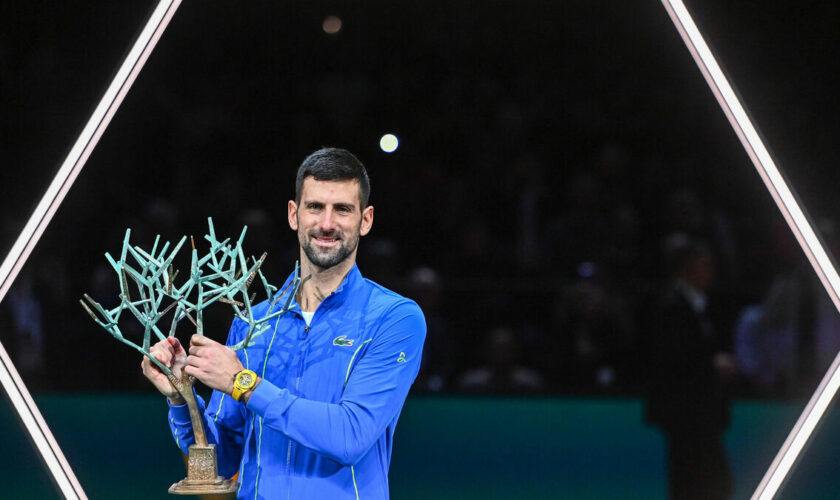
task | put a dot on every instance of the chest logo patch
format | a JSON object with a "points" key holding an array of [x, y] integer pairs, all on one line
{"points": [[342, 340]]}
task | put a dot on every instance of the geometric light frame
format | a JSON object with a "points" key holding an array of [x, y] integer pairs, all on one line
{"points": [[799, 224], [14, 386]]}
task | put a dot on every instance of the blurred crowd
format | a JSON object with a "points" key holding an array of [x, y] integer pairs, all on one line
{"points": [[537, 208], [533, 281]]}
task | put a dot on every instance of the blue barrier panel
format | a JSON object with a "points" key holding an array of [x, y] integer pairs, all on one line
{"points": [[446, 448]]}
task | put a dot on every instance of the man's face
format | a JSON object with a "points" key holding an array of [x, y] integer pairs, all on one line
{"points": [[329, 221]]}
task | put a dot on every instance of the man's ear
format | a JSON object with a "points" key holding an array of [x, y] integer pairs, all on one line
{"points": [[367, 220], [293, 223]]}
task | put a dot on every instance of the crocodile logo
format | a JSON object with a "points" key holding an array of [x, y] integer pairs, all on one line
{"points": [[342, 340]]}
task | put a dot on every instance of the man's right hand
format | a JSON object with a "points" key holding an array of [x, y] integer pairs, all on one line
{"points": [[172, 355]]}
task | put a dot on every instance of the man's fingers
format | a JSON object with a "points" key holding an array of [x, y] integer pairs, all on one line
{"points": [[194, 371], [149, 368], [193, 361], [174, 344], [166, 351], [151, 371], [164, 355], [201, 340]]}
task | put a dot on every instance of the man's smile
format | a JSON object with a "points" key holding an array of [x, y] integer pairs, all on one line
{"points": [[326, 241]]}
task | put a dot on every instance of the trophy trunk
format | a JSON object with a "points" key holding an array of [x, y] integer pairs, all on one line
{"points": [[202, 466]]}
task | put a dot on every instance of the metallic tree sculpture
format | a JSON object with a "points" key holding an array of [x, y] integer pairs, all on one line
{"points": [[222, 275]]}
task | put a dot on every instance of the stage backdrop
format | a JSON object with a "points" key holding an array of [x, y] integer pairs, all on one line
{"points": [[446, 448]]}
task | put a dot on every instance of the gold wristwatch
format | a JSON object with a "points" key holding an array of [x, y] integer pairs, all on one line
{"points": [[243, 382]]}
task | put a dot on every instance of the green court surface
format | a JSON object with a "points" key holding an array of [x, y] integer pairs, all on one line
{"points": [[445, 448]]}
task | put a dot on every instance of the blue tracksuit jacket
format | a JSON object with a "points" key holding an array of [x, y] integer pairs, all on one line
{"points": [[321, 423]]}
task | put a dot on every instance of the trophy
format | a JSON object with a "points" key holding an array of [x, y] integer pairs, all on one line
{"points": [[222, 275]]}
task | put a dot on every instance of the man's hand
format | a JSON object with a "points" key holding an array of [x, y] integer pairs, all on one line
{"points": [[172, 355], [212, 363]]}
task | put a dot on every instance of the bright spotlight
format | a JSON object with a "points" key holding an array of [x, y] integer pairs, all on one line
{"points": [[389, 143], [332, 25]]}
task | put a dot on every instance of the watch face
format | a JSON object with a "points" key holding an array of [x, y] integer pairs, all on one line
{"points": [[245, 379]]}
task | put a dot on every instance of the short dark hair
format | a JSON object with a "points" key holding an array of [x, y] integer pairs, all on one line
{"points": [[333, 164]]}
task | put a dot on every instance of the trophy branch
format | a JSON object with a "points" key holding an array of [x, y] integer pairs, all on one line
{"points": [[222, 275]]}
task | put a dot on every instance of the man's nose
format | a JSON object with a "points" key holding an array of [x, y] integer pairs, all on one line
{"points": [[327, 222]]}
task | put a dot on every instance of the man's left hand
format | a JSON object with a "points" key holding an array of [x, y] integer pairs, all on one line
{"points": [[212, 363]]}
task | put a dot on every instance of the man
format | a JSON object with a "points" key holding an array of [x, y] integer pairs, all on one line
{"points": [[331, 375], [690, 370]]}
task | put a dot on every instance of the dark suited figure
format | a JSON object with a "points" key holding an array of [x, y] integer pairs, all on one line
{"points": [[689, 371]]}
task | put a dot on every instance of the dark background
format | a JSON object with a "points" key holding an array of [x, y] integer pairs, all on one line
{"points": [[546, 148]]}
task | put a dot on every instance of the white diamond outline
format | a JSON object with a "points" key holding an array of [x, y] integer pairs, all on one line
{"points": [[14, 386], [726, 97], [799, 224]]}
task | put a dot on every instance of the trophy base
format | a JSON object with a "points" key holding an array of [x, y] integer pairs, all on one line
{"points": [[203, 474], [216, 486]]}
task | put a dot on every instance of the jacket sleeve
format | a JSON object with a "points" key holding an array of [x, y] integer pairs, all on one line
{"points": [[374, 392], [224, 424]]}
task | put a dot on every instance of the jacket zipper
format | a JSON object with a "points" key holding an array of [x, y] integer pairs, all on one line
{"points": [[297, 390]]}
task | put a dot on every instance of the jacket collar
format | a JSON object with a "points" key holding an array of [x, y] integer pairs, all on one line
{"points": [[350, 283]]}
